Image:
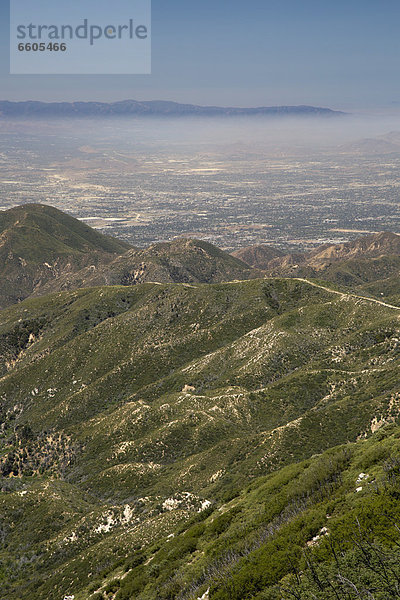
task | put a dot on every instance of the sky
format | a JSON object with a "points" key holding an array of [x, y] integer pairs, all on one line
{"points": [[336, 53]]}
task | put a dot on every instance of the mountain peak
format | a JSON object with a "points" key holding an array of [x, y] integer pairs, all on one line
{"points": [[40, 242]]}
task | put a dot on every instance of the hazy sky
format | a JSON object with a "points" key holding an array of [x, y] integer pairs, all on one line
{"points": [[337, 53]]}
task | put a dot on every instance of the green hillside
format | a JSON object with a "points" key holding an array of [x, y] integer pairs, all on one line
{"points": [[162, 440], [31, 222], [38, 243], [324, 528], [369, 276]]}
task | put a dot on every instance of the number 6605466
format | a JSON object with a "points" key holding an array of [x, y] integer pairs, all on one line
{"points": [[42, 47]]}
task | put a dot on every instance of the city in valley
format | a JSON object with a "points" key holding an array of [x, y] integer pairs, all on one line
{"points": [[294, 184]]}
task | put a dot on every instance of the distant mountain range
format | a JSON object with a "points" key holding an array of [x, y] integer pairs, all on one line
{"points": [[155, 108]]}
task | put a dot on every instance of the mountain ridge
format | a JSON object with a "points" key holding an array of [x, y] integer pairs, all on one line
{"points": [[43, 250], [371, 259], [149, 108]]}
